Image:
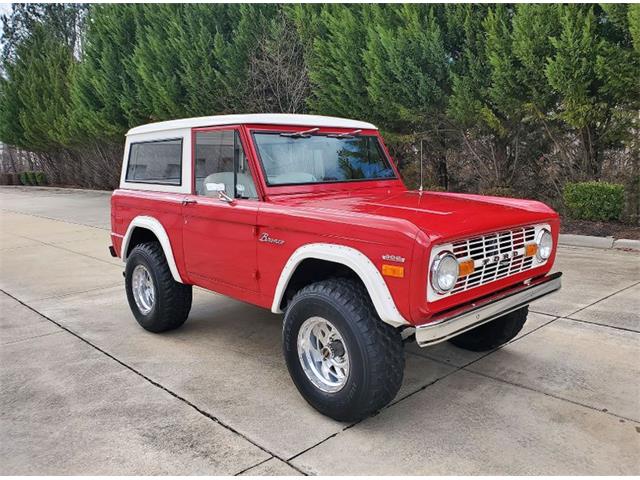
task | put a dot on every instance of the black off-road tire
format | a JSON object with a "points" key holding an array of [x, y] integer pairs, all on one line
{"points": [[493, 334], [376, 351], [172, 300]]}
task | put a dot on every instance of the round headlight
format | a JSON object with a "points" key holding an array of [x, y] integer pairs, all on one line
{"points": [[545, 244], [444, 272]]}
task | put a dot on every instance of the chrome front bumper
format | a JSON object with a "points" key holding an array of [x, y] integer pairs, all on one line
{"points": [[459, 320]]}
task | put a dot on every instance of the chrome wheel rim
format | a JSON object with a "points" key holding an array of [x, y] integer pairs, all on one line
{"points": [[323, 354], [144, 292]]}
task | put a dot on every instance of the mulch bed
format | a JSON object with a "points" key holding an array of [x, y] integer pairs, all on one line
{"points": [[600, 229]]}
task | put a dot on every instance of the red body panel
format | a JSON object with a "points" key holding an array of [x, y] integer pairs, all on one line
{"points": [[215, 244]]}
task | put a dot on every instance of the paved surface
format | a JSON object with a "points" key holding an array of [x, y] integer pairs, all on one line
{"points": [[84, 390]]}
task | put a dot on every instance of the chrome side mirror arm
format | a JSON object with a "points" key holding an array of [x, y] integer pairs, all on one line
{"points": [[222, 195]]}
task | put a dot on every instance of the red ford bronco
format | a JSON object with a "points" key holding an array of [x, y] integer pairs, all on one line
{"points": [[307, 216]]}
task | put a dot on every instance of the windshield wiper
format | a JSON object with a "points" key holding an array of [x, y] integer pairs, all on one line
{"points": [[344, 135], [301, 134]]}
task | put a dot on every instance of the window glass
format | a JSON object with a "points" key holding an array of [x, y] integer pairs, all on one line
{"points": [[156, 162], [321, 158], [220, 159]]}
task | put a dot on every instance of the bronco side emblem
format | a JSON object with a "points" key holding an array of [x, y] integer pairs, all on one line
{"points": [[266, 238]]}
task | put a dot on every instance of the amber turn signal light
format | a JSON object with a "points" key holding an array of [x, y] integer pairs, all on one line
{"points": [[530, 249], [465, 268], [392, 271]]}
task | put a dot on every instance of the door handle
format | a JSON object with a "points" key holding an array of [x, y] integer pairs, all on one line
{"points": [[189, 201]]}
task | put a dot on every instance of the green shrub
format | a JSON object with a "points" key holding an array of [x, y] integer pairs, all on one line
{"points": [[32, 178], [594, 200], [40, 178], [24, 178]]}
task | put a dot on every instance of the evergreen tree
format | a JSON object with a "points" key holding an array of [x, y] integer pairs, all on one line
{"points": [[483, 86], [336, 66], [407, 72], [250, 27], [102, 88], [490, 120], [194, 59], [633, 16], [37, 64], [155, 66], [533, 27], [595, 72], [42, 74], [407, 67], [200, 42]]}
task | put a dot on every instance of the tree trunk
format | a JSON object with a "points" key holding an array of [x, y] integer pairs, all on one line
{"points": [[501, 162], [442, 171], [13, 162], [591, 161]]}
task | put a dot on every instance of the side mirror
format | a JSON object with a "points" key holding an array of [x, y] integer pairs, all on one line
{"points": [[215, 187], [221, 189]]}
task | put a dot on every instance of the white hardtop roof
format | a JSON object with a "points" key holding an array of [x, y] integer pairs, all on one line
{"points": [[257, 118]]}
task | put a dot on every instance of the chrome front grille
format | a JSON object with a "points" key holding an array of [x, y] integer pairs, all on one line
{"points": [[495, 256]]}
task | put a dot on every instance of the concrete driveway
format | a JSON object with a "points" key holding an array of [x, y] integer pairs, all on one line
{"points": [[85, 390]]}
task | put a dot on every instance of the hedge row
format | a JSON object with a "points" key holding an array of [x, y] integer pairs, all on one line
{"points": [[594, 200]]}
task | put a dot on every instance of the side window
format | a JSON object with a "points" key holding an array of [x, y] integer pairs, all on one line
{"points": [[156, 162], [220, 159]]}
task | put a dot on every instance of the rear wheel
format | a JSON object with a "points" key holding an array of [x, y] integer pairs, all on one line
{"points": [[342, 358], [493, 334], [158, 302]]}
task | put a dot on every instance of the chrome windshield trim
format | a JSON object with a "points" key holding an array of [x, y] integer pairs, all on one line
{"points": [[462, 319]]}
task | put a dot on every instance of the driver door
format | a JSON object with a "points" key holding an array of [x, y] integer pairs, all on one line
{"points": [[219, 237]]}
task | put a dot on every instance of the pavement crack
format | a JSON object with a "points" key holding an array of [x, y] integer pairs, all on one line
{"points": [[333, 435], [543, 313], [71, 294], [601, 324], [557, 397], [603, 298], [53, 219], [253, 466], [110, 262], [29, 338], [156, 384]]}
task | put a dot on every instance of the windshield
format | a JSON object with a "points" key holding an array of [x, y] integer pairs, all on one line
{"points": [[295, 160]]}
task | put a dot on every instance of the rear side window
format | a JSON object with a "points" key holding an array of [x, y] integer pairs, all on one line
{"points": [[156, 162]]}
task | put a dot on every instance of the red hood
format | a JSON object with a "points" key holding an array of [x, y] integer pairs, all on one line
{"points": [[439, 215]]}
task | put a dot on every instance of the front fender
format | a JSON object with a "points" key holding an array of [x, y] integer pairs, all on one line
{"points": [[356, 261]]}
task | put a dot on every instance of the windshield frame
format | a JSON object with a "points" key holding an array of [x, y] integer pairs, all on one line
{"points": [[322, 132]]}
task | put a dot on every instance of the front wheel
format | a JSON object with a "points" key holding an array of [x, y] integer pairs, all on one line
{"points": [[342, 358], [494, 333]]}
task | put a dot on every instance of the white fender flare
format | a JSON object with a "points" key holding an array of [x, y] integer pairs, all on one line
{"points": [[356, 261], [152, 224]]}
